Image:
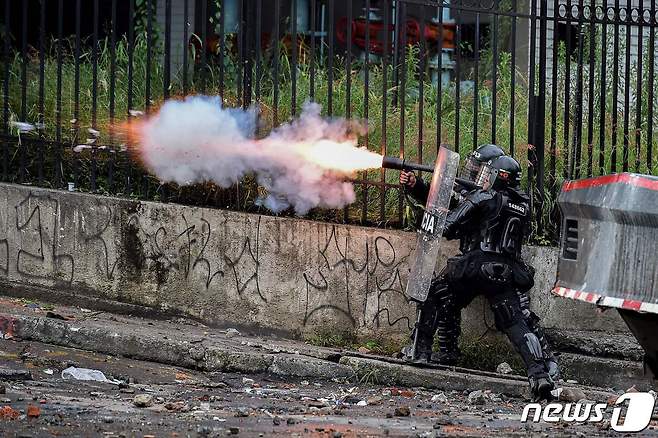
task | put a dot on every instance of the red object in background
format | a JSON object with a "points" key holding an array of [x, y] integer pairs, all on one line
{"points": [[377, 31]]}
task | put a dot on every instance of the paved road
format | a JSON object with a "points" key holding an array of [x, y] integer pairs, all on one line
{"points": [[188, 403]]}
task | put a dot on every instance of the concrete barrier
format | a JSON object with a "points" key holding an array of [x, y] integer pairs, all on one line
{"points": [[227, 268]]}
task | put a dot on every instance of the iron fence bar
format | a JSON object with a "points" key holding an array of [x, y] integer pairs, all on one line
{"points": [[532, 103], [421, 91], [638, 94], [602, 104], [76, 110], [222, 47], [554, 109], [149, 49], [366, 100], [94, 91], [23, 149], [540, 132], [513, 83], [402, 93], [259, 54], [166, 83], [627, 92], [312, 54], [384, 140], [5, 90], [476, 82], [457, 76], [113, 61], [277, 54], [652, 54], [186, 38], [249, 44], [42, 62], [239, 77], [348, 58], [294, 48], [58, 105], [204, 48], [567, 95], [578, 127], [330, 57], [494, 76], [129, 100], [590, 98], [397, 4], [615, 88], [439, 80]]}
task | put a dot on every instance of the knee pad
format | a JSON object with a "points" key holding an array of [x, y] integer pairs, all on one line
{"points": [[534, 346]]}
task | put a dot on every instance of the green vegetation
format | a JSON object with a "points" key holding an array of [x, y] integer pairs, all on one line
{"points": [[406, 128]]}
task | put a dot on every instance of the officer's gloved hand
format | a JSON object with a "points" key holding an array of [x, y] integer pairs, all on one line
{"points": [[408, 179]]}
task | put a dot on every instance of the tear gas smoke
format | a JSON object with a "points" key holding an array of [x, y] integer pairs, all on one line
{"points": [[303, 164]]}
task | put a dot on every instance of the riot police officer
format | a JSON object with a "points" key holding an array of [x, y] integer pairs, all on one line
{"points": [[491, 224]]}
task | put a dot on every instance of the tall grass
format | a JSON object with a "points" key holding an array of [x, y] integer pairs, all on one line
{"points": [[406, 129]]}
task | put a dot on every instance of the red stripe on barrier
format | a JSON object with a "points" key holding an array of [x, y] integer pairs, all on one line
{"points": [[632, 304], [620, 178]]}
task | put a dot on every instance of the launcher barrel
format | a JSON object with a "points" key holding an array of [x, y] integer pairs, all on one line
{"points": [[400, 164]]}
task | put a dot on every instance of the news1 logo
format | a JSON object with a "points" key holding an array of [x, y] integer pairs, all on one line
{"points": [[636, 414]]}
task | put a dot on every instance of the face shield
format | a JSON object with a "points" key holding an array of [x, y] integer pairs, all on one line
{"points": [[486, 177], [471, 168]]}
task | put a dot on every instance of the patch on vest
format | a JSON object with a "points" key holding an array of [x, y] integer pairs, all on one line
{"points": [[516, 207]]}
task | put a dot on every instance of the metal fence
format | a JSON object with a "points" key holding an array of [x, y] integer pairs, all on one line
{"points": [[565, 86]]}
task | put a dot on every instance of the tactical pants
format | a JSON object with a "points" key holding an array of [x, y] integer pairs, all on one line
{"points": [[452, 291]]}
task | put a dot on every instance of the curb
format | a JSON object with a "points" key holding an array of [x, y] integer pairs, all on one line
{"points": [[119, 341]]}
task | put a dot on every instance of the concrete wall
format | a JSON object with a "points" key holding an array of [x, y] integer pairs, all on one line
{"points": [[232, 268]]}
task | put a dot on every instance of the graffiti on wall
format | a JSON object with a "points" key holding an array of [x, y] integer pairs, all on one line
{"points": [[51, 238], [374, 267]]}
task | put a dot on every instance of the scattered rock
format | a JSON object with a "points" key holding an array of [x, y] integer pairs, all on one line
{"points": [[571, 395], [7, 413], [291, 421], [108, 420], [362, 403], [572, 382], [143, 400], [376, 400], [242, 412], [234, 430], [439, 398], [402, 411], [363, 350], [337, 434], [477, 398], [247, 381], [504, 368], [33, 411], [230, 333], [276, 421], [8, 374], [3, 390]]}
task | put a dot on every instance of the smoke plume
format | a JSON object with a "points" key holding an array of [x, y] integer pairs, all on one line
{"points": [[302, 164]]}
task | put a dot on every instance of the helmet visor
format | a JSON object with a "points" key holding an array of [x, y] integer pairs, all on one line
{"points": [[471, 169], [486, 177]]}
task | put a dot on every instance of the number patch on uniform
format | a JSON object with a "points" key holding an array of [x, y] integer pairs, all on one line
{"points": [[429, 223], [516, 207]]}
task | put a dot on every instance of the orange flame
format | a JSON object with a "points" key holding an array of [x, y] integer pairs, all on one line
{"points": [[343, 157]]}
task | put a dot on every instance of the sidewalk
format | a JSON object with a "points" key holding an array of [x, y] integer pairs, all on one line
{"points": [[184, 343]]}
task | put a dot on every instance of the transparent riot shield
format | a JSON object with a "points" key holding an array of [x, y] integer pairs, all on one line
{"points": [[431, 225]]}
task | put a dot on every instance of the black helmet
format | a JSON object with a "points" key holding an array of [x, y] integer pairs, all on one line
{"points": [[482, 155], [501, 172]]}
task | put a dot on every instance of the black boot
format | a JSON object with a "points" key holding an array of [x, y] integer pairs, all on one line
{"points": [[541, 386], [422, 337]]}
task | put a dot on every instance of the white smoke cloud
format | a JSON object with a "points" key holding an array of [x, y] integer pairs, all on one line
{"points": [[196, 140]]}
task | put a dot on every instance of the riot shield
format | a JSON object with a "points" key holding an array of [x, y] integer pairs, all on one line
{"points": [[431, 225]]}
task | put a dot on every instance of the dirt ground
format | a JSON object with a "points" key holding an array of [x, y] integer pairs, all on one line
{"points": [[182, 403]]}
